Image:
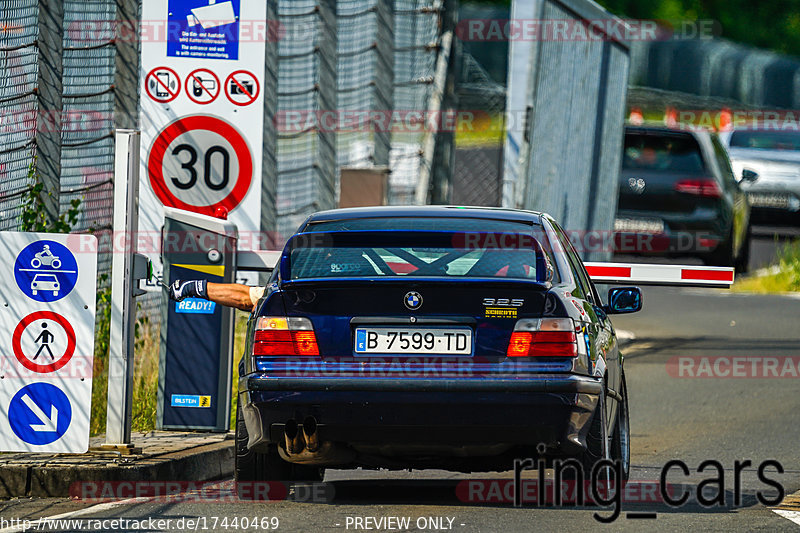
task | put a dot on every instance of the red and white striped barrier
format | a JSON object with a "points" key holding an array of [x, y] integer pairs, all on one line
{"points": [[647, 274]]}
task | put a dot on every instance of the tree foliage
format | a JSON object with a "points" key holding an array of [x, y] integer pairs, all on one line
{"points": [[771, 24], [774, 24]]}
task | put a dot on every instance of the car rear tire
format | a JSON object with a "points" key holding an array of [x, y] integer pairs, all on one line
{"points": [[251, 466], [620, 438]]}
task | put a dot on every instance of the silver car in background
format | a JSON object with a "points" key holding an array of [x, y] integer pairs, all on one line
{"points": [[775, 156]]}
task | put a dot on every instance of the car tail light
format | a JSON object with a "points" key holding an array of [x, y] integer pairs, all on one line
{"points": [[545, 337], [706, 187], [284, 336]]}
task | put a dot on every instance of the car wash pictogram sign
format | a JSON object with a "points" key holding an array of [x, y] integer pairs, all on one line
{"points": [[207, 70], [47, 315]]}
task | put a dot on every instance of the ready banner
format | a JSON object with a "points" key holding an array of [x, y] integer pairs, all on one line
{"points": [[201, 114]]}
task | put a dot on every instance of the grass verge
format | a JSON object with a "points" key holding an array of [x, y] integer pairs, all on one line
{"points": [[145, 372], [784, 278]]}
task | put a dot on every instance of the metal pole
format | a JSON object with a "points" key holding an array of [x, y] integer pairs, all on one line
{"points": [[48, 94], [326, 99], [126, 76], [269, 169], [434, 106], [383, 100], [123, 310]]}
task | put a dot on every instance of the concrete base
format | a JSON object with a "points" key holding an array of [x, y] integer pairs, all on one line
{"points": [[163, 456]]}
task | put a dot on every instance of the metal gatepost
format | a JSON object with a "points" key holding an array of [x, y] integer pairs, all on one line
{"points": [[126, 270]]}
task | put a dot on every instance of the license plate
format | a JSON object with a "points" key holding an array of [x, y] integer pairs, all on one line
{"points": [[428, 341], [758, 199], [639, 225]]}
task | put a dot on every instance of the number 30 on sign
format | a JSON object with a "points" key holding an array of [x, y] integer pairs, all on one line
{"points": [[200, 164]]}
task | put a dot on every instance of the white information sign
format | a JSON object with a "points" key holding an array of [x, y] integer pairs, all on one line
{"points": [[202, 115], [47, 314]]}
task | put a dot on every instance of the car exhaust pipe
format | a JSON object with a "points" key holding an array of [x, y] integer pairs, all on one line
{"points": [[310, 434], [293, 437]]}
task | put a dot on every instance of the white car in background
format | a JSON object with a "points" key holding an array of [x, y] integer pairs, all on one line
{"points": [[775, 156]]}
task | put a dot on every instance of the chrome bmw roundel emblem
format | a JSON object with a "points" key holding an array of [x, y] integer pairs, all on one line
{"points": [[413, 300]]}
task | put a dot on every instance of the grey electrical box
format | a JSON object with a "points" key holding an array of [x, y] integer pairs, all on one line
{"points": [[194, 381]]}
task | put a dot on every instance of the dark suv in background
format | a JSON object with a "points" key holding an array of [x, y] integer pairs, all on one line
{"points": [[678, 197]]}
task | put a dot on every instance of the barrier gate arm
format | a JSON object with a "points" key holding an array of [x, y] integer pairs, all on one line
{"points": [[612, 273], [257, 260], [657, 274]]}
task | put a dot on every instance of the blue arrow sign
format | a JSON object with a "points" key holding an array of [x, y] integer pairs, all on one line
{"points": [[46, 271], [39, 413]]}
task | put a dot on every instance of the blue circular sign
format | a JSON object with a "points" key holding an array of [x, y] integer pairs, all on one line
{"points": [[39, 413], [46, 271]]}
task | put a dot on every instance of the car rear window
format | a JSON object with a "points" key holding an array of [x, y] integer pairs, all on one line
{"points": [[666, 153], [766, 140], [357, 254]]}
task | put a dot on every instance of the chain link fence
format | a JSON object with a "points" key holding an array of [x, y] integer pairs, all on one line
{"points": [[19, 68], [87, 140], [87, 149], [478, 170], [376, 58], [385, 61], [85, 119]]}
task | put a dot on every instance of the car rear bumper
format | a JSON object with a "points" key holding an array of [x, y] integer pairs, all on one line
{"points": [[408, 416], [695, 233], [774, 195]]}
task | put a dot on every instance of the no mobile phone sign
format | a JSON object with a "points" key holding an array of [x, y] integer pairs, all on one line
{"points": [[200, 163]]}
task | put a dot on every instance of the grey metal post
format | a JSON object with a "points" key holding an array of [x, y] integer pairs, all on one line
{"points": [[444, 151], [123, 307], [384, 77], [326, 57], [126, 75], [435, 102], [49, 89], [269, 168]]}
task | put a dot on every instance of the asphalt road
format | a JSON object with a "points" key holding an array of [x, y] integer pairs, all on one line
{"points": [[686, 409]]}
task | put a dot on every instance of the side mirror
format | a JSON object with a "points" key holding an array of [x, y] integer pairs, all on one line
{"points": [[623, 300], [749, 175]]}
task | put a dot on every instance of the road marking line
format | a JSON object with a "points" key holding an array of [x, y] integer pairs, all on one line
{"points": [[98, 508], [626, 335], [788, 508], [793, 516], [72, 514]]}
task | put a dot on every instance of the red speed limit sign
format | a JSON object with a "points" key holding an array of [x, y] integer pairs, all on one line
{"points": [[200, 163]]}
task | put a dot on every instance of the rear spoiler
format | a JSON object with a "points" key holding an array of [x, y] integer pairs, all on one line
{"points": [[650, 274]]}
